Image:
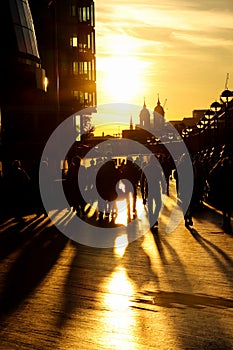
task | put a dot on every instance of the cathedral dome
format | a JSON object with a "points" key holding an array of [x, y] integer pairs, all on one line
{"points": [[159, 109], [144, 117]]}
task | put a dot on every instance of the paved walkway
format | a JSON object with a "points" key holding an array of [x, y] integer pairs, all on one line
{"points": [[168, 291]]}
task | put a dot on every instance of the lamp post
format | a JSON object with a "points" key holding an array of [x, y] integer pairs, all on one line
{"points": [[204, 121], [226, 97], [209, 115], [200, 128], [185, 134], [216, 108]]}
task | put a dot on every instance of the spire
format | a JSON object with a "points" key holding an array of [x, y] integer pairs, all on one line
{"points": [[158, 103], [144, 105], [159, 109], [131, 123]]}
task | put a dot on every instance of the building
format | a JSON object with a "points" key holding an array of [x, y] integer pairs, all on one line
{"points": [[48, 71], [158, 116], [66, 39], [147, 127], [22, 83], [144, 118], [158, 120]]}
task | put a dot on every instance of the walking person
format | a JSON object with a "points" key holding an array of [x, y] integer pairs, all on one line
{"points": [[106, 182], [72, 189], [221, 177], [154, 182], [182, 188], [130, 172]]}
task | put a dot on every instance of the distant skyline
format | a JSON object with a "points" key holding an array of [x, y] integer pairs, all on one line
{"points": [[180, 49]]}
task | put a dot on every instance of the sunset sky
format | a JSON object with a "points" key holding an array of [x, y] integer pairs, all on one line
{"points": [[181, 49]]}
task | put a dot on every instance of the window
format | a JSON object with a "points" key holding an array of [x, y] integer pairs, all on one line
{"points": [[74, 41], [24, 28], [72, 10], [83, 69], [92, 15], [80, 15], [88, 13], [75, 67], [84, 14], [75, 94], [92, 42]]}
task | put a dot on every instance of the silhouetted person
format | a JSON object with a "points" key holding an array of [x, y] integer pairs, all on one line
{"points": [[131, 172], [222, 175], [106, 182], [167, 165], [153, 180], [72, 188], [185, 202], [199, 183]]}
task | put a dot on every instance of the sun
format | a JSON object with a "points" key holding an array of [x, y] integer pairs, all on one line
{"points": [[122, 71], [122, 78]]}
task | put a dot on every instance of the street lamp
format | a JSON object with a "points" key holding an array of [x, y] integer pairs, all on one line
{"points": [[226, 97], [189, 129], [186, 131], [185, 134]]}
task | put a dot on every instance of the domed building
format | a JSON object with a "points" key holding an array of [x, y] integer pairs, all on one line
{"points": [[144, 117], [158, 116]]}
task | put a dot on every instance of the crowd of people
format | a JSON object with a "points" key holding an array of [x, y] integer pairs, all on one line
{"points": [[106, 181]]}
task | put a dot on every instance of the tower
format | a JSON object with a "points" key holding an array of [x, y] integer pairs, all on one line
{"points": [[131, 123], [144, 117], [158, 115]]}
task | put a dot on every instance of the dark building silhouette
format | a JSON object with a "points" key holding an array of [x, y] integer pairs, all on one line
{"points": [[48, 70], [66, 39], [146, 129], [22, 80]]}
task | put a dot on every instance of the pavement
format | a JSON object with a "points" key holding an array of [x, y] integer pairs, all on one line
{"points": [[166, 291]]}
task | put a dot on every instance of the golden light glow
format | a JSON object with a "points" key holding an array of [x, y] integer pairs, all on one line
{"points": [[164, 37], [119, 318], [122, 79], [120, 246], [46, 83], [122, 69]]}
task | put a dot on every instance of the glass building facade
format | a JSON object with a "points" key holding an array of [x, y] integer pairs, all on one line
{"points": [[24, 28]]}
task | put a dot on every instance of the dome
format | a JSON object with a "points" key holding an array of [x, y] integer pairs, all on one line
{"points": [[159, 109], [144, 117]]}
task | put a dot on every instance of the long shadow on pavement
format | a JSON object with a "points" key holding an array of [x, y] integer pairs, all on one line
{"points": [[213, 250], [29, 268]]}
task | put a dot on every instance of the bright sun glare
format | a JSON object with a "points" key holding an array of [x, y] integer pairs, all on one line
{"points": [[122, 70], [122, 78]]}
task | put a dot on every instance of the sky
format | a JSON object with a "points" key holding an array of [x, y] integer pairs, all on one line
{"points": [[179, 49]]}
